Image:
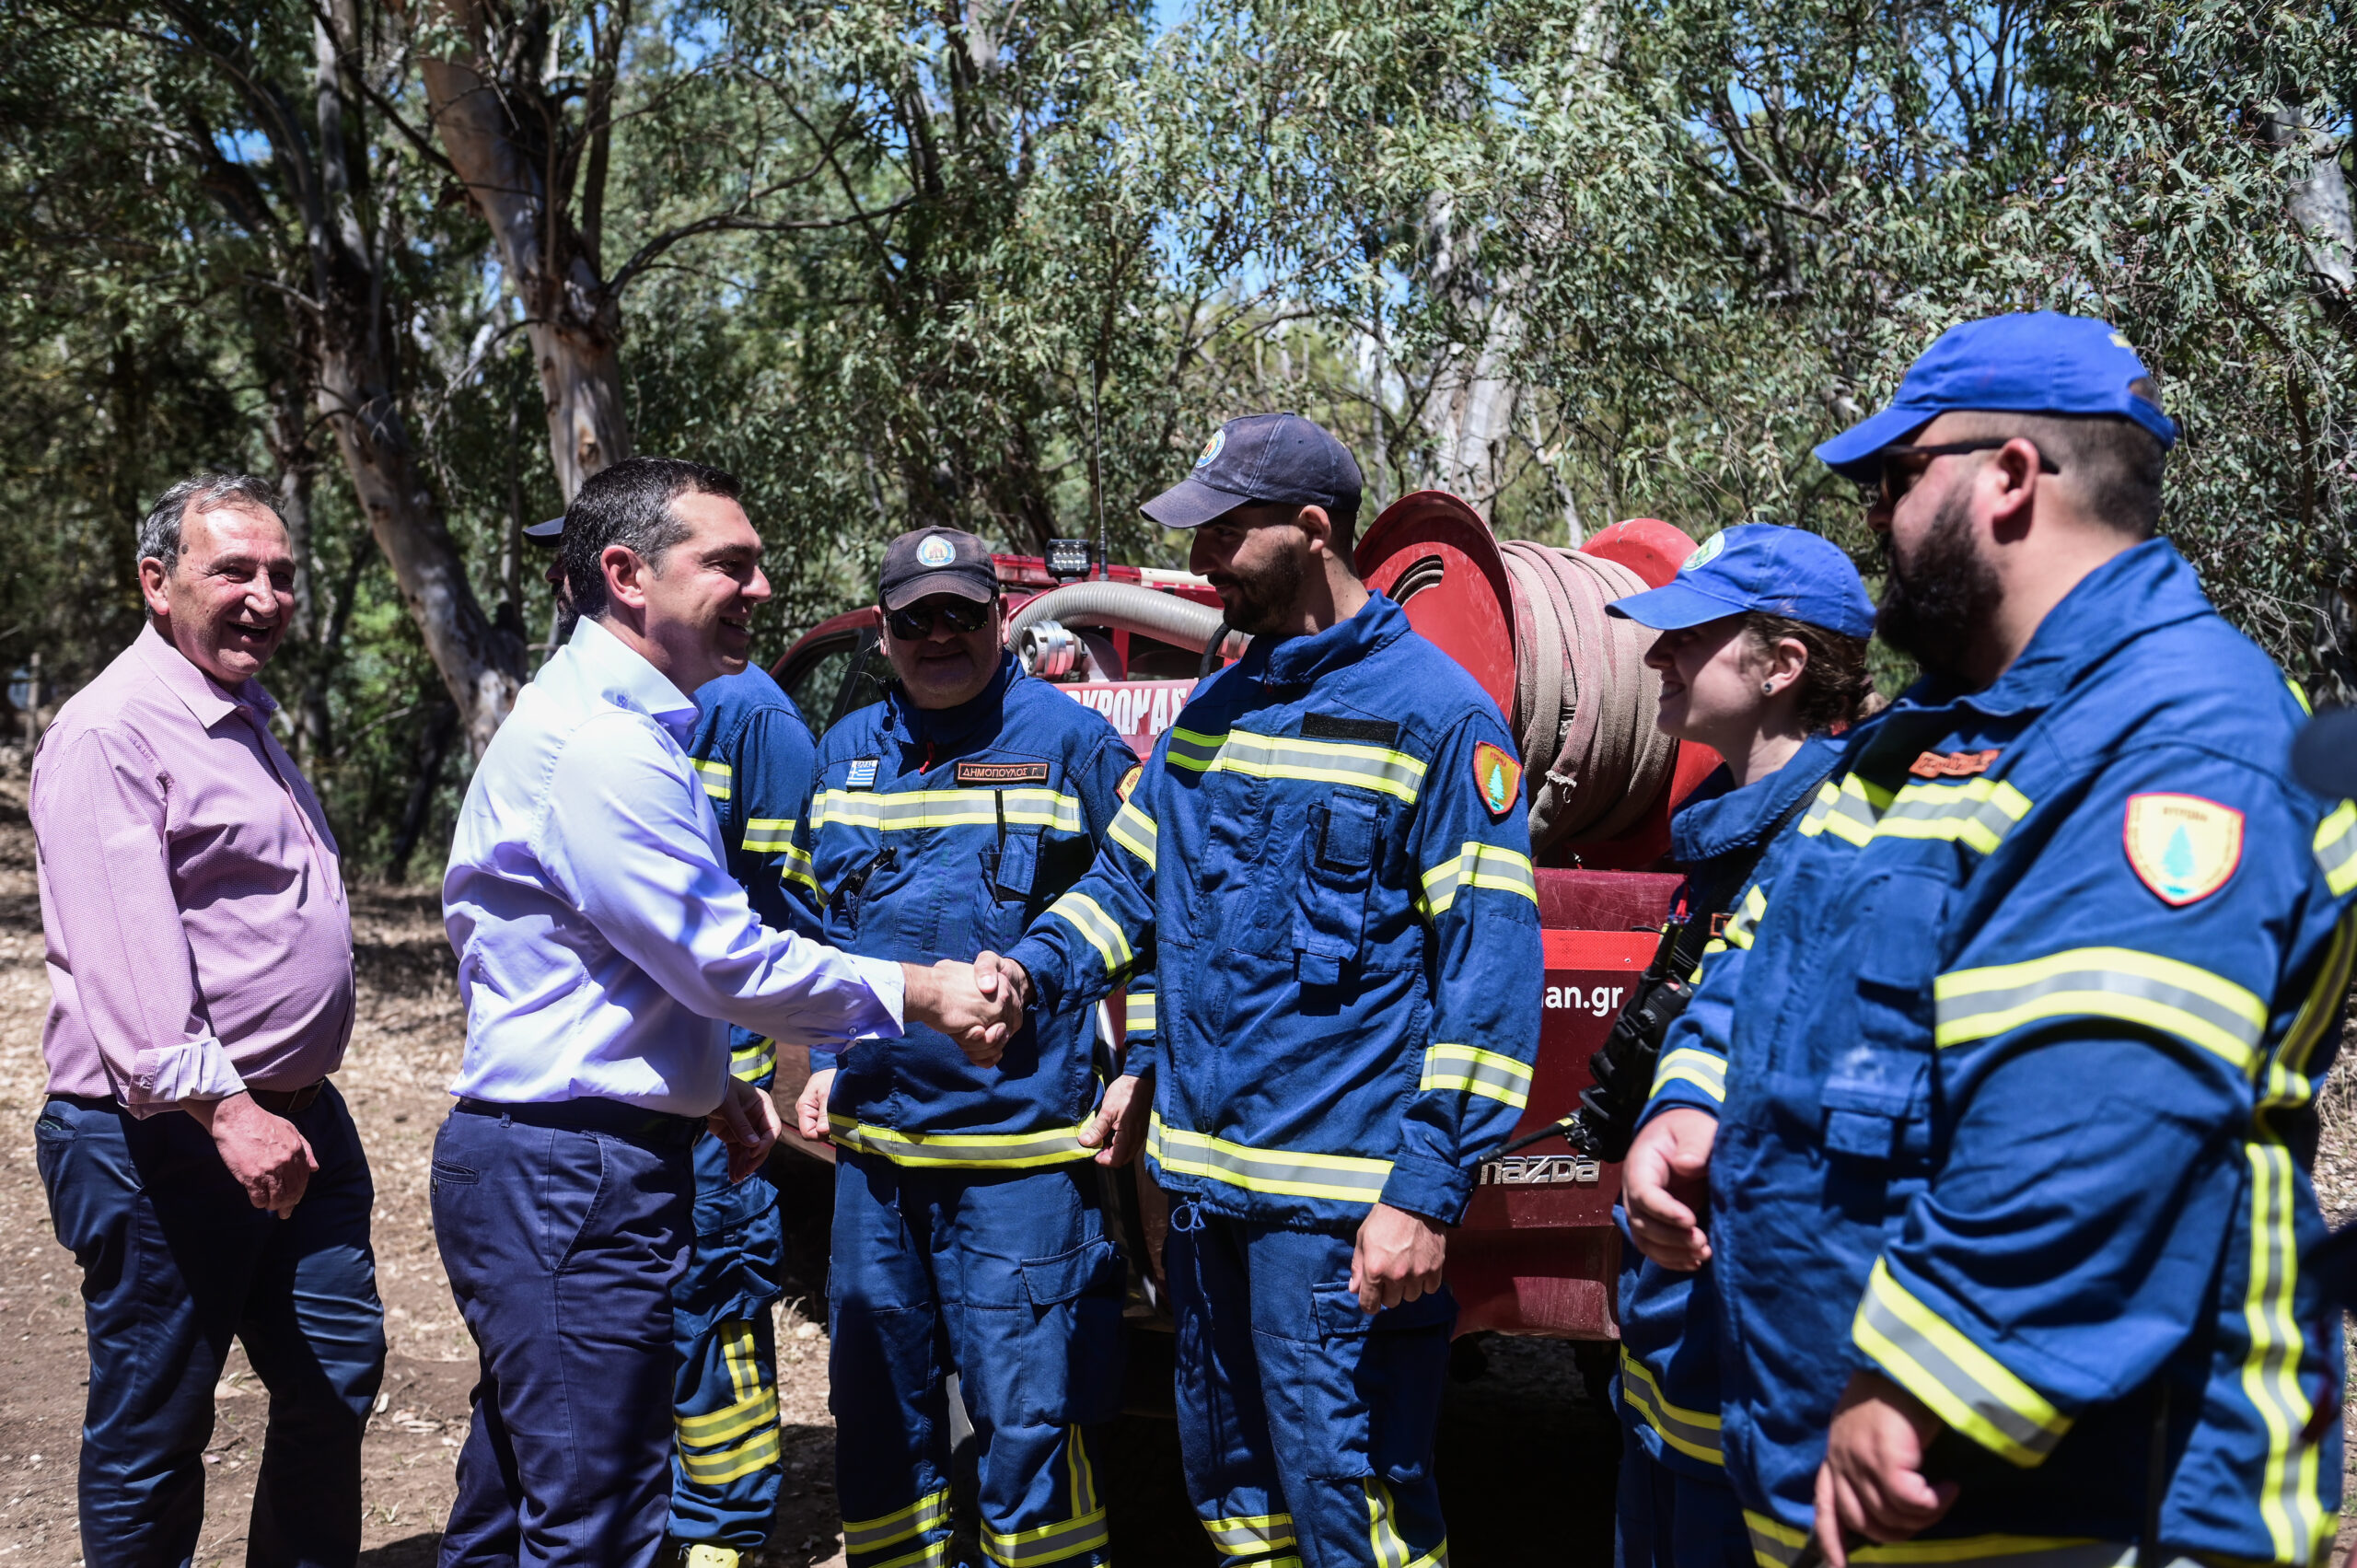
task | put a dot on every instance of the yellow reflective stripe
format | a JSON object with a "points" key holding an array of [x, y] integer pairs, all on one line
{"points": [[732, 1422], [1977, 814], [962, 1151], [768, 835], [1477, 864], [2336, 848], [1378, 768], [1084, 1474], [752, 1060], [1694, 1433], [1246, 1535], [1341, 1179], [1391, 1549], [2287, 1085], [1467, 1069], [1103, 933], [1688, 1064], [1134, 831], [2297, 695], [2202, 1008], [759, 1452], [1739, 930], [919, 808], [739, 1354], [1964, 1385], [1847, 810], [716, 776], [1048, 1543], [798, 868], [1138, 1018], [1775, 1544], [929, 1512], [2296, 1524], [936, 1555]]}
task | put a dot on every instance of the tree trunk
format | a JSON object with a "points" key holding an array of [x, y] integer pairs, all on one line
{"points": [[518, 175]]}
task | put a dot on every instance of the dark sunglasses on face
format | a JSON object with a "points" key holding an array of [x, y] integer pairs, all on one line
{"points": [[913, 622], [1898, 478]]}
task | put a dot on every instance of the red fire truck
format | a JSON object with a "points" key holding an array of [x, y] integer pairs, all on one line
{"points": [[1538, 1254]]}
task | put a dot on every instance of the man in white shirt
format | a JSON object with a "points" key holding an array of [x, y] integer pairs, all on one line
{"points": [[603, 950]]}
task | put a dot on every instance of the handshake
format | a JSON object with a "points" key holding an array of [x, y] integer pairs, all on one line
{"points": [[980, 1004]]}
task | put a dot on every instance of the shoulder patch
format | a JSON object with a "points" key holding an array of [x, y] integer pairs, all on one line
{"points": [[2183, 847], [1128, 784], [862, 774], [1002, 773], [1497, 776], [1951, 764]]}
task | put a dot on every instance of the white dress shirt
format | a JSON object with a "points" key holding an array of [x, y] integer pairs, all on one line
{"points": [[602, 945]]}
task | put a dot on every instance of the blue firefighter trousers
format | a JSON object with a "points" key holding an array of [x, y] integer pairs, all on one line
{"points": [[726, 1470], [1667, 1518], [175, 1263], [1307, 1427], [1007, 1279], [561, 1229]]}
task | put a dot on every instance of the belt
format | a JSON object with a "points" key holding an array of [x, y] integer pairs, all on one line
{"points": [[286, 1102], [607, 1115]]}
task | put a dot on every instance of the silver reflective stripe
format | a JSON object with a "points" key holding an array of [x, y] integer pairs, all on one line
{"points": [[1341, 1178], [1050, 1543], [1874, 1312], [2336, 848], [1249, 1535], [1979, 814], [959, 1149], [929, 1512], [2103, 982], [1690, 1432], [1778, 1545]]}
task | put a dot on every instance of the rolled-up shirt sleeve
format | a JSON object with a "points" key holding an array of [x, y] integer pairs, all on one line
{"points": [[625, 838], [100, 817]]}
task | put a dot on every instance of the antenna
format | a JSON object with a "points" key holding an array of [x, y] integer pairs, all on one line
{"points": [[1097, 463]]}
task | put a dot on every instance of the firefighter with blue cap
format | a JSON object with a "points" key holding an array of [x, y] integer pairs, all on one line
{"points": [[1330, 856], [967, 1236], [1762, 656], [2006, 1196]]}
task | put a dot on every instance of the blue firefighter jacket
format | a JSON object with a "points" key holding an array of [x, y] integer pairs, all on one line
{"points": [[1668, 1392], [1329, 855], [2020, 1068], [754, 756], [936, 834]]}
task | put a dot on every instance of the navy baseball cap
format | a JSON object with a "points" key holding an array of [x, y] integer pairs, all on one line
{"points": [[924, 561], [1762, 566], [2039, 361], [1262, 457], [549, 533]]}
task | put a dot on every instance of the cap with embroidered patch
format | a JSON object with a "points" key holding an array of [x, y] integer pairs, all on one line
{"points": [[2037, 362], [1762, 566], [1262, 457], [924, 561]]}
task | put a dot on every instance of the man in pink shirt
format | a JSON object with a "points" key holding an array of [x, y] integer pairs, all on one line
{"points": [[198, 1161]]}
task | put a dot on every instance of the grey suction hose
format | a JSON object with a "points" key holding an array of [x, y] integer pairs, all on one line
{"points": [[1132, 607]]}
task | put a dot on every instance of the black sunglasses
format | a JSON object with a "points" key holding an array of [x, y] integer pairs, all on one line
{"points": [[913, 622], [1890, 495]]}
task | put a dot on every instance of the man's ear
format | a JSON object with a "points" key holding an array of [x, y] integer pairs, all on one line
{"points": [[1312, 521], [2013, 478], [152, 587], [626, 576]]}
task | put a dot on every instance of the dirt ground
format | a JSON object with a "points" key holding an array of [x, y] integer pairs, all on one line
{"points": [[1527, 1462]]}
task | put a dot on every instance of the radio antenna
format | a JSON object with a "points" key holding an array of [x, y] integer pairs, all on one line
{"points": [[1096, 464]]}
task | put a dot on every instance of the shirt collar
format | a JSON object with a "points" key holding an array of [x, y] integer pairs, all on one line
{"points": [[1297, 661], [205, 698], [624, 678], [1705, 830]]}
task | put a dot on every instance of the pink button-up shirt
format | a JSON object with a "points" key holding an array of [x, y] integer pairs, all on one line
{"points": [[199, 941]]}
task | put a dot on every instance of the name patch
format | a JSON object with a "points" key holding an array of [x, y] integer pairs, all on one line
{"points": [[2182, 846], [1002, 773], [1340, 727], [862, 774], [1951, 764]]}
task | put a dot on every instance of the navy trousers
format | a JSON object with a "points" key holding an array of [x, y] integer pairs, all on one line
{"points": [[1005, 1278], [726, 1470], [562, 1245], [1669, 1519], [1305, 1427], [175, 1263]]}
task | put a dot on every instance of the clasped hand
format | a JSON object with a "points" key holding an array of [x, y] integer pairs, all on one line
{"points": [[979, 1006]]}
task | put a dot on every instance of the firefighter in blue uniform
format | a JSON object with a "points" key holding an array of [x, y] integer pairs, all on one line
{"points": [[2007, 1194], [1328, 852], [967, 1223], [1762, 656]]}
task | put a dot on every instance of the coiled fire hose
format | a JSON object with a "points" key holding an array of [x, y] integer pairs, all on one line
{"points": [[1132, 607]]}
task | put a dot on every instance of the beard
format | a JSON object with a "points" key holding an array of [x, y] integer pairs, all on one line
{"points": [[1266, 596], [1939, 600]]}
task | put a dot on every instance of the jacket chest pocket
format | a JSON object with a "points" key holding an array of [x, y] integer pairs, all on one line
{"points": [[1013, 885], [1330, 909], [1877, 1092]]}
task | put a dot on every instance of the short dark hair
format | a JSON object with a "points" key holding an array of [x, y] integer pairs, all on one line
{"points": [[1835, 685], [2113, 461], [159, 530], [630, 505]]}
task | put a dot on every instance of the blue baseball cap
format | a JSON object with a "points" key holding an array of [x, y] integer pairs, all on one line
{"points": [[1762, 566], [1260, 457], [2039, 361]]}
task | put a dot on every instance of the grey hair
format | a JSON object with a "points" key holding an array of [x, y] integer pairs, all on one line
{"points": [[159, 530]]}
